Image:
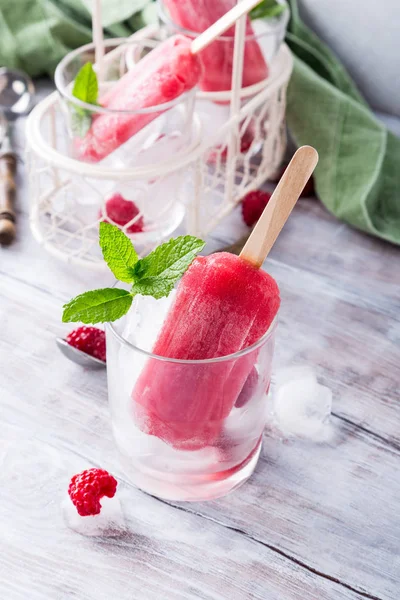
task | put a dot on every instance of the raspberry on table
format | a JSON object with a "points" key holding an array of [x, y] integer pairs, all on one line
{"points": [[121, 211], [253, 205], [309, 188], [90, 340], [86, 489]]}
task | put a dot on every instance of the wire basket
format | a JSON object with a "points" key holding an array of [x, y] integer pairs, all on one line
{"points": [[231, 149]]}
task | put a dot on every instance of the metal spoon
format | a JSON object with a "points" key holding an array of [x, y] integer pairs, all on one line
{"points": [[16, 99], [79, 357], [16, 93]]}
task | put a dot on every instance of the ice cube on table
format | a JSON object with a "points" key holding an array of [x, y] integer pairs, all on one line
{"points": [[109, 522], [301, 406], [297, 372]]}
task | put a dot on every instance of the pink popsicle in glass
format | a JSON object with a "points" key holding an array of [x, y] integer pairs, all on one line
{"points": [[162, 76], [223, 305], [217, 59]]}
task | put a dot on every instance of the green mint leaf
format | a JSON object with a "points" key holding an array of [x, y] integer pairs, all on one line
{"points": [[118, 252], [98, 306], [86, 87], [81, 120], [156, 274], [267, 9]]}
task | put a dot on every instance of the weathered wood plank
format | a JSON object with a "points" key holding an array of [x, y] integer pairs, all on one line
{"points": [[316, 241], [332, 507], [354, 347], [309, 515], [165, 553], [323, 323]]}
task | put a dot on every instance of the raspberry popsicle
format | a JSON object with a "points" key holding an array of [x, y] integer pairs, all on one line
{"points": [[223, 305], [167, 72], [217, 59]]}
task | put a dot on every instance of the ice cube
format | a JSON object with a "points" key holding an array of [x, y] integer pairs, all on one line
{"points": [[126, 154], [145, 319], [302, 407], [142, 326], [109, 522], [294, 373]]}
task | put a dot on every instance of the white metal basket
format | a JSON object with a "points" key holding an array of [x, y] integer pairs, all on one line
{"points": [[204, 183]]}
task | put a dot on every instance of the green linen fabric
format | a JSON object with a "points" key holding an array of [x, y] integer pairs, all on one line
{"points": [[358, 175], [36, 34]]}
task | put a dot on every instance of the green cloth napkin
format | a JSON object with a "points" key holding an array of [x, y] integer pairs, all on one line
{"points": [[358, 176], [36, 34]]}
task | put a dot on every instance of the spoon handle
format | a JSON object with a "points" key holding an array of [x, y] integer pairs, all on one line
{"points": [[8, 167]]}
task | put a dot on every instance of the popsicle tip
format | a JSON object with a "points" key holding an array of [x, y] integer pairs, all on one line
{"points": [[309, 151]]}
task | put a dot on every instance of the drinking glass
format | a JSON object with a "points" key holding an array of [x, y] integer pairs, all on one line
{"points": [[199, 437]]}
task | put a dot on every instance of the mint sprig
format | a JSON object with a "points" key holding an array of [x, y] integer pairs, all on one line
{"points": [[267, 9], [118, 252], [86, 86], [98, 306], [154, 275], [86, 89]]}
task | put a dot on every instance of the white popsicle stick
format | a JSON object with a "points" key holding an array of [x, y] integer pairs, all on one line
{"points": [[98, 38], [220, 26], [280, 206]]}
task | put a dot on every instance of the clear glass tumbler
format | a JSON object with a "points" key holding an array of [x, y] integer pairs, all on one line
{"points": [[262, 42], [120, 137], [131, 163], [200, 436]]}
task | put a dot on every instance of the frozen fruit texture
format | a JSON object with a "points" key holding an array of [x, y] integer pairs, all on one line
{"points": [[90, 340], [223, 305], [121, 211], [248, 390], [160, 77], [87, 489], [217, 58], [253, 205]]}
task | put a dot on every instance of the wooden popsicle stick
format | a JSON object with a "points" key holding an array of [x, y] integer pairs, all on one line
{"points": [[220, 26], [280, 206], [8, 166]]}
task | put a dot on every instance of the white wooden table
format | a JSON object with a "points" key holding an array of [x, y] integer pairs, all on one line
{"points": [[315, 522]]}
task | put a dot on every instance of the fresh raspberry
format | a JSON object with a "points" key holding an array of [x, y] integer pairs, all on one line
{"points": [[90, 340], [121, 211], [253, 205], [87, 489], [309, 189], [248, 390], [246, 141]]}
